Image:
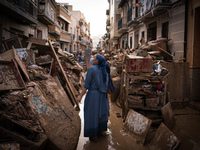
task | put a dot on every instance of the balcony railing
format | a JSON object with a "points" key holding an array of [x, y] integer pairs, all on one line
{"points": [[24, 10], [147, 6], [54, 30], [83, 41], [47, 16], [120, 23], [25, 5], [129, 12]]}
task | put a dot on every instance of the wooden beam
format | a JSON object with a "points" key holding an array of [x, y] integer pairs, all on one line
{"points": [[68, 85]]}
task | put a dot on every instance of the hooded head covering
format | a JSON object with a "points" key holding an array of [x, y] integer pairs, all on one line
{"points": [[102, 64]]}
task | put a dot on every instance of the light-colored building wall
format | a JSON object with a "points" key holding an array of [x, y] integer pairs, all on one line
{"points": [[115, 15], [176, 32]]}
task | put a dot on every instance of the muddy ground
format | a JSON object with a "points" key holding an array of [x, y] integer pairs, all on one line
{"points": [[117, 138], [187, 123]]}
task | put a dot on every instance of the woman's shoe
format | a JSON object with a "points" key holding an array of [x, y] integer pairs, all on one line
{"points": [[93, 138]]}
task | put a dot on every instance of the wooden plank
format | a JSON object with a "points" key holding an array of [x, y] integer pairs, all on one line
{"points": [[164, 139], [68, 85], [20, 63], [53, 67], [138, 125], [17, 73], [37, 41], [168, 116], [7, 56]]}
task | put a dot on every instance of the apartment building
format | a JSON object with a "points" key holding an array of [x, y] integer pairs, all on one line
{"points": [[143, 20], [64, 20], [43, 19], [112, 24]]}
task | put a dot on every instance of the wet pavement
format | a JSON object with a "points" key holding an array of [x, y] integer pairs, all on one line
{"points": [[116, 138]]}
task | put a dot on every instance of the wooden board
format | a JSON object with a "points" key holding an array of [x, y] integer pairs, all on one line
{"points": [[68, 85], [7, 56], [138, 125], [10, 77], [57, 116], [178, 81], [37, 41], [168, 116], [164, 139], [21, 64]]}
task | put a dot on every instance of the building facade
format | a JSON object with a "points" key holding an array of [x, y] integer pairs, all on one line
{"points": [[44, 19]]}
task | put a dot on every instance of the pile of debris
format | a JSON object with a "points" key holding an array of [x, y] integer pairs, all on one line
{"points": [[145, 79], [39, 86]]}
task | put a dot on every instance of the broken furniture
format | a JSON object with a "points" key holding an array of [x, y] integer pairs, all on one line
{"points": [[140, 89]]}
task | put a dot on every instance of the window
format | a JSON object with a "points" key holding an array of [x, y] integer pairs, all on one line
{"points": [[66, 26], [152, 31], [130, 42], [39, 34], [165, 27], [123, 44], [142, 34], [62, 26]]}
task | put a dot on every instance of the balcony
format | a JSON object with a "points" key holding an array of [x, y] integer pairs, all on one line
{"points": [[83, 42], [130, 21], [54, 30], [24, 11], [47, 16], [150, 10], [64, 37], [63, 13], [122, 25]]}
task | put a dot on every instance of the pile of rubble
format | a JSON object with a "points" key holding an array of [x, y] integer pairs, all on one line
{"points": [[39, 85]]}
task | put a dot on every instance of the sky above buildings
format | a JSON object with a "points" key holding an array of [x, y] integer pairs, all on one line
{"points": [[94, 12]]}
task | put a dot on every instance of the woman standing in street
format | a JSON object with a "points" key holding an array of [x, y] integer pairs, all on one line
{"points": [[96, 105]]}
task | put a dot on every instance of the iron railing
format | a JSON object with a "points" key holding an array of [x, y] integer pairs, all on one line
{"points": [[25, 5]]}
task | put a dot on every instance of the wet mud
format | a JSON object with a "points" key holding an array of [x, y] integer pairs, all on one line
{"points": [[116, 139]]}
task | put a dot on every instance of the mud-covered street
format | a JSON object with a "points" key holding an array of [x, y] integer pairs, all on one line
{"points": [[116, 139]]}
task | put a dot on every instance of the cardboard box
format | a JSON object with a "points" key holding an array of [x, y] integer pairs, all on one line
{"points": [[138, 64]]}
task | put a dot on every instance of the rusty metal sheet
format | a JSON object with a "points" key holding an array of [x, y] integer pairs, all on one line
{"points": [[164, 139], [138, 125], [168, 116]]}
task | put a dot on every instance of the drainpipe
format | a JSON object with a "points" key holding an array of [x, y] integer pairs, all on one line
{"points": [[186, 29]]}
